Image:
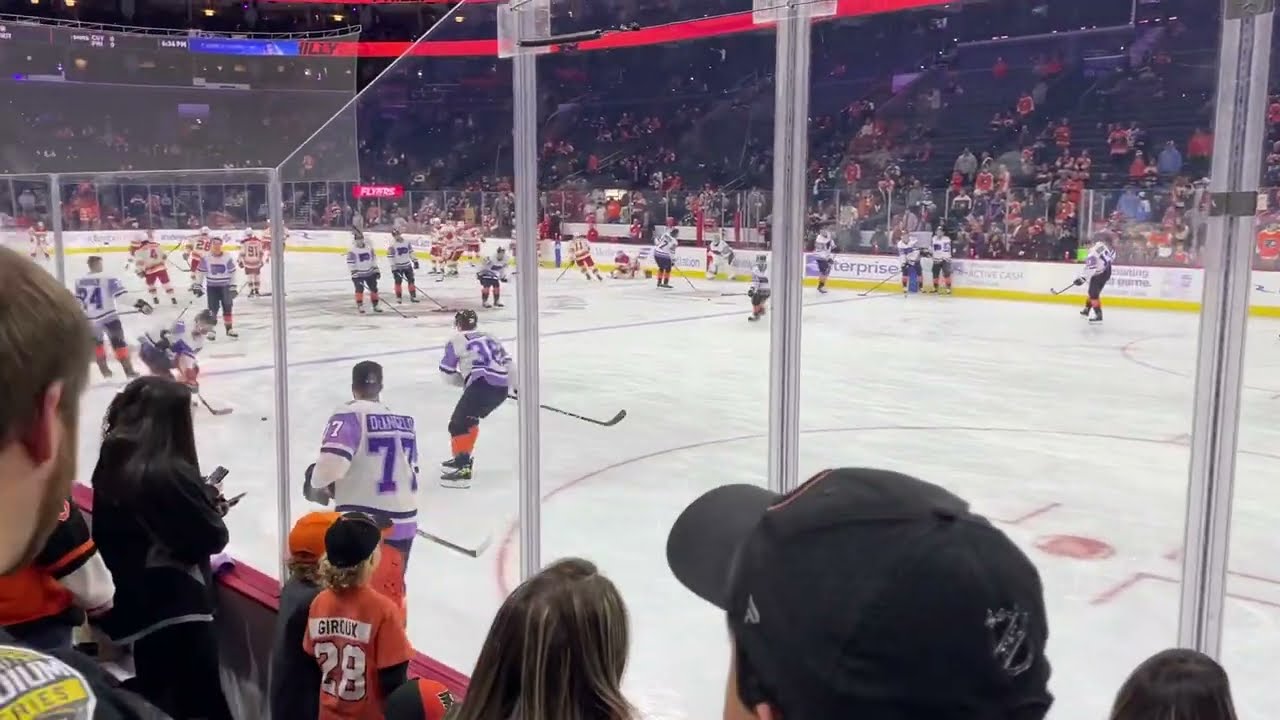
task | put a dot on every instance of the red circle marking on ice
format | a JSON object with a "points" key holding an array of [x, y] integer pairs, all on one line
{"points": [[1074, 546]]}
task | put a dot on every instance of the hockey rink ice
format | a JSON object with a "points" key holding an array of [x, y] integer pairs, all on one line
{"points": [[1071, 437]]}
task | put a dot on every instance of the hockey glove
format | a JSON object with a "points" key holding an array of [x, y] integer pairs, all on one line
{"points": [[1078, 281], [415, 264], [234, 292], [197, 291], [143, 307], [377, 273], [320, 496]]}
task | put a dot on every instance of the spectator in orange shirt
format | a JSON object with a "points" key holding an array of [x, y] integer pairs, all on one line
{"points": [[355, 633], [1000, 70]]}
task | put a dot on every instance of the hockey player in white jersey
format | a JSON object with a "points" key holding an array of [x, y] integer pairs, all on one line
{"points": [[759, 292], [369, 460], [909, 256], [493, 272], [940, 251], [719, 258], [362, 263], [99, 293], [220, 285], [479, 363], [1097, 272], [824, 248], [403, 263], [664, 255], [171, 346]]}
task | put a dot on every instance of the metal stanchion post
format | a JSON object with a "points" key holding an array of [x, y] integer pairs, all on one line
{"points": [[1243, 69]]}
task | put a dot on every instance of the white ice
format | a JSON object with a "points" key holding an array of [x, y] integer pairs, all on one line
{"points": [[1056, 429]]}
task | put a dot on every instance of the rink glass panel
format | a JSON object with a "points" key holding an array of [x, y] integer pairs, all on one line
{"points": [[1253, 586], [430, 138], [1050, 426], [99, 214], [685, 363]]}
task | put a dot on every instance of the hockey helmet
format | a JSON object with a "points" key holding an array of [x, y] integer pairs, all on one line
{"points": [[465, 320]]}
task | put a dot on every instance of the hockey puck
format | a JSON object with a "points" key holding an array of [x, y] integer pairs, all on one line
{"points": [[264, 418]]}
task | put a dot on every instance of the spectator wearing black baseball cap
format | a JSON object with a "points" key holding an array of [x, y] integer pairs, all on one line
{"points": [[866, 594]]}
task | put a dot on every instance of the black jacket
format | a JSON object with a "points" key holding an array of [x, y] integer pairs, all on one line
{"points": [[157, 544]]}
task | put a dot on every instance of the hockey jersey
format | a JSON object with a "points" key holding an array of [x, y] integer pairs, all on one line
{"points": [[665, 246], [220, 270], [97, 293], [941, 247], [401, 253], [475, 355], [1098, 260], [759, 279], [907, 250], [175, 338], [361, 261], [369, 454], [824, 246], [493, 269]]}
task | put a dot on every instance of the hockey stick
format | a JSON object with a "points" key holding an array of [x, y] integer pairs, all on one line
{"points": [[395, 310], [469, 552], [217, 412], [1059, 292], [603, 423], [565, 270], [873, 288]]}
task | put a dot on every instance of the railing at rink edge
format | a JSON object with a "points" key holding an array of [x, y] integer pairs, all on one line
{"points": [[865, 218]]}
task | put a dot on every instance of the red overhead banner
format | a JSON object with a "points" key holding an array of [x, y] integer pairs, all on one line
{"points": [[658, 34]]}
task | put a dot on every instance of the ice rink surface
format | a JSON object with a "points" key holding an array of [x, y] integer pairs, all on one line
{"points": [[1070, 436]]}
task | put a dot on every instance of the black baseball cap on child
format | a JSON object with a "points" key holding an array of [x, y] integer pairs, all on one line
{"points": [[351, 539], [869, 594]]}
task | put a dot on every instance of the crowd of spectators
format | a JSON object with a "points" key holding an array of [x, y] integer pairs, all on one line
{"points": [[558, 646], [683, 132]]}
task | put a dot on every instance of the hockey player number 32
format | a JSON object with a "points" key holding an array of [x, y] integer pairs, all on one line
{"points": [[487, 352], [347, 684]]}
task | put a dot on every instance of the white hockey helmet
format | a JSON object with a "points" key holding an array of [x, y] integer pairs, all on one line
{"points": [[204, 230]]}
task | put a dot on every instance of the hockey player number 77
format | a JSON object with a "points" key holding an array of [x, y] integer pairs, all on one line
{"points": [[386, 446]]}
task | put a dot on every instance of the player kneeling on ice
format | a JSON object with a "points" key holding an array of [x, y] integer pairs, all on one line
{"points": [[759, 290], [403, 263], [98, 294], [625, 266], [1097, 272], [824, 248], [719, 259], [941, 254], [369, 460], [362, 263], [170, 349], [220, 285], [493, 272], [480, 364]]}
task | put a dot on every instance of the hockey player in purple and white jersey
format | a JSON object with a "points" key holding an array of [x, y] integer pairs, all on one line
{"points": [[369, 460], [1097, 272], [362, 263], [479, 363]]}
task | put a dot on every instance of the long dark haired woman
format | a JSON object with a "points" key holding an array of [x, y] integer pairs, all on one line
{"points": [[557, 650], [1177, 683], [156, 522]]}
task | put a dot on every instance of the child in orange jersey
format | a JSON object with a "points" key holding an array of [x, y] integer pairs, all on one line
{"points": [[355, 633]]}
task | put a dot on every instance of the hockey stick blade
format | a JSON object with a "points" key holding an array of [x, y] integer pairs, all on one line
{"points": [[217, 412], [395, 310], [619, 417], [469, 552]]}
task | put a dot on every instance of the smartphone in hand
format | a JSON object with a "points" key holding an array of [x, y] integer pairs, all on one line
{"points": [[216, 477]]}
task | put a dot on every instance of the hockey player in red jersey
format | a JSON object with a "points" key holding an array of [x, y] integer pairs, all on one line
{"points": [[253, 256], [152, 265], [580, 251], [625, 266]]}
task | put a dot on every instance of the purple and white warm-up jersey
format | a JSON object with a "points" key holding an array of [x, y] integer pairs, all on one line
{"points": [[476, 356], [382, 448]]}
